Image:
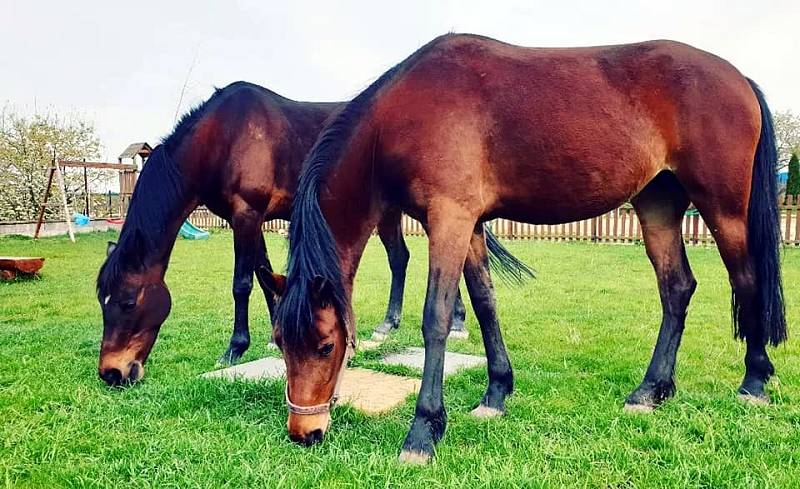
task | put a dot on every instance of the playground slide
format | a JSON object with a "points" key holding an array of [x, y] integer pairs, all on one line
{"points": [[190, 231]]}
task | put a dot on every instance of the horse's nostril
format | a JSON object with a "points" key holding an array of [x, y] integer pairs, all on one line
{"points": [[111, 376], [135, 372], [307, 440], [314, 437]]}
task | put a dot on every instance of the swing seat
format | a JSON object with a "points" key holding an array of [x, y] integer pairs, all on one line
{"points": [[80, 219]]}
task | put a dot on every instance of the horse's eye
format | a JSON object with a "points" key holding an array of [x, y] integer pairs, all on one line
{"points": [[326, 349], [127, 306]]}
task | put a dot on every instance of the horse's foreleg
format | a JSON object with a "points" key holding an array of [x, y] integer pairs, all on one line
{"points": [[246, 230], [449, 236], [391, 233], [660, 207], [481, 293]]}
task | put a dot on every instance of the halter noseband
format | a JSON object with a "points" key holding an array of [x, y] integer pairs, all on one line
{"points": [[325, 407], [309, 410]]}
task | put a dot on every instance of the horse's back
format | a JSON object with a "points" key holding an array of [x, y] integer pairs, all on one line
{"points": [[563, 133], [250, 145]]}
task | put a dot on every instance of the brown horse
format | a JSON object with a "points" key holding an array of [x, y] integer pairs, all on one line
{"points": [[240, 154], [468, 129]]}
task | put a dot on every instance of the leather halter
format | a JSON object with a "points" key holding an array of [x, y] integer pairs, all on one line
{"points": [[325, 407]]}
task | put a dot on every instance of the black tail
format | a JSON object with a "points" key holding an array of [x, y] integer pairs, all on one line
{"points": [[507, 266], [764, 231]]}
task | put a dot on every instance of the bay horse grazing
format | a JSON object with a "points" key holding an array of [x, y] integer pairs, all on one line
{"points": [[469, 129], [240, 154]]}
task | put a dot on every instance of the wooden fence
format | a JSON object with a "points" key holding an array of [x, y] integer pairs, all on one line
{"points": [[618, 226]]}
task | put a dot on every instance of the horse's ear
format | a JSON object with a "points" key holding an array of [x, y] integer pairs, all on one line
{"points": [[110, 248], [321, 290], [274, 282], [133, 251]]}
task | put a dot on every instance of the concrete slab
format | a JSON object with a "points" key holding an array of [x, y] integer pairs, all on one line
{"points": [[415, 358], [369, 345], [375, 392], [265, 368], [369, 391]]}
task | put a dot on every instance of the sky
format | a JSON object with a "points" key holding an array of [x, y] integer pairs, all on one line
{"points": [[125, 65]]}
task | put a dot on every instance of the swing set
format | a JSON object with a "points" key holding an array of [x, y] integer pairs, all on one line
{"points": [[127, 174]]}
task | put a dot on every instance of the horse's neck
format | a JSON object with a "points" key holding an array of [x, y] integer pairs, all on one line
{"points": [[159, 212], [350, 202]]}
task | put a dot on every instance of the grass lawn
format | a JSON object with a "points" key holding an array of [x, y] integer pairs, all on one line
{"points": [[579, 337]]}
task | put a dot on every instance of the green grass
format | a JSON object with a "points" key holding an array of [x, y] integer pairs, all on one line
{"points": [[579, 337]]}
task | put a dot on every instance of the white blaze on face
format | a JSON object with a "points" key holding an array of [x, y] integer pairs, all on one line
{"points": [[108, 298]]}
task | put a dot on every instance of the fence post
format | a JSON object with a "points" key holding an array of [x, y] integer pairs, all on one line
{"points": [[787, 209]]}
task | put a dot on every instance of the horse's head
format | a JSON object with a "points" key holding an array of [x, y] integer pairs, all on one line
{"points": [[315, 359], [135, 302]]}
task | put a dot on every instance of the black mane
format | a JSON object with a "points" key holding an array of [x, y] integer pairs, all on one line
{"points": [[312, 251], [159, 196], [158, 199]]}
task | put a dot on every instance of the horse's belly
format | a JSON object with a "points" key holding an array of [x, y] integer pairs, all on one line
{"points": [[567, 196]]}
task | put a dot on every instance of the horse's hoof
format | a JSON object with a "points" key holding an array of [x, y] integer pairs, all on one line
{"points": [[459, 334], [223, 363], [378, 337], [486, 412], [413, 457], [228, 359], [754, 400], [639, 408]]}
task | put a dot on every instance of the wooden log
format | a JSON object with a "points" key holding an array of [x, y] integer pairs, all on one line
{"points": [[27, 265]]}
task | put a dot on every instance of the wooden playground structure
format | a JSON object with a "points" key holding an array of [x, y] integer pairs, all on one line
{"points": [[127, 174]]}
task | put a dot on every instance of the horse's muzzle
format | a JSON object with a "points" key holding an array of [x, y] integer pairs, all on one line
{"points": [[115, 377], [309, 439]]}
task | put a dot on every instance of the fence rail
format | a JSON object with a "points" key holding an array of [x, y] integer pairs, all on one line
{"points": [[618, 226]]}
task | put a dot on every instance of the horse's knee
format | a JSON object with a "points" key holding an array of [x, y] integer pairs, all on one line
{"points": [[683, 289], [242, 288], [677, 290]]}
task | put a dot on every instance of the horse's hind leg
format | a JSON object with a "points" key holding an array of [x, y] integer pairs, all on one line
{"points": [[246, 226], [262, 262], [457, 328], [730, 233], [660, 207], [391, 233], [481, 293]]}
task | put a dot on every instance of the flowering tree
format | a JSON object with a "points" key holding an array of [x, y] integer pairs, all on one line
{"points": [[787, 133], [26, 151]]}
